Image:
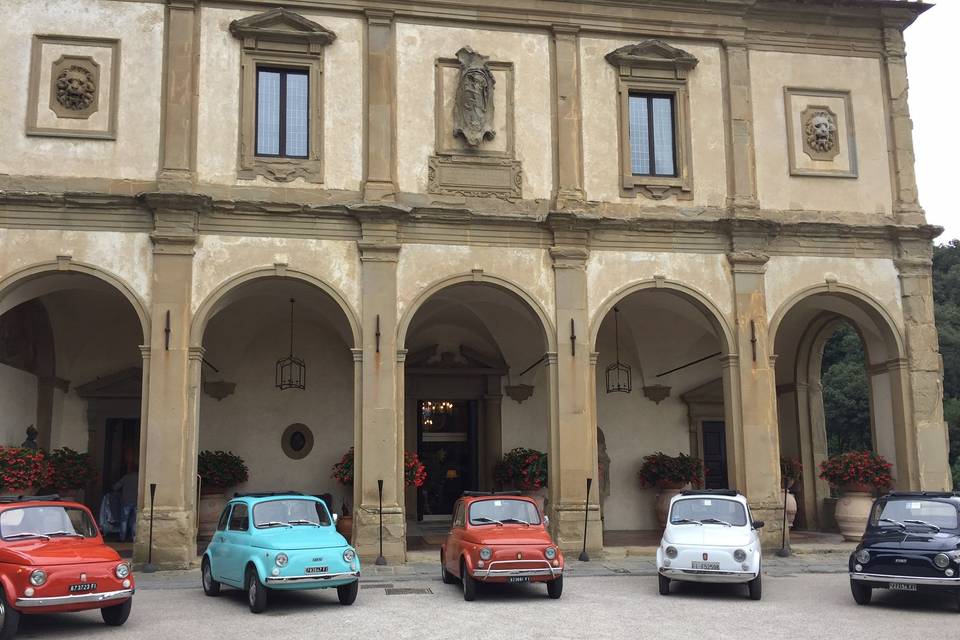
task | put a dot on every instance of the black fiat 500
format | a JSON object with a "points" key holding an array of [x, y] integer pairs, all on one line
{"points": [[912, 543]]}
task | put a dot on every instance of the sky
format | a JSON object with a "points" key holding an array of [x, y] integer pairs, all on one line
{"points": [[934, 79]]}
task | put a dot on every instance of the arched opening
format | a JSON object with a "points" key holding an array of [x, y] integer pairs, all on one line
{"points": [[276, 388], [846, 340], [71, 366], [672, 342], [476, 385]]}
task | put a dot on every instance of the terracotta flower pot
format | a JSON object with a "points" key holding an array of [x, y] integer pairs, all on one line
{"points": [[665, 493], [345, 526], [212, 502], [791, 508], [853, 511]]}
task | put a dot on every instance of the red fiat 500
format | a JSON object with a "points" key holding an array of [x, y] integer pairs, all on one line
{"points": [[500, 537], [52, 560]]}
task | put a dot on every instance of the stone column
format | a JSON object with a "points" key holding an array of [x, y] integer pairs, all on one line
{"points": [[379, 453], [178, 148], [742, 187], [573, 446], [906, 205], [756, 435], [380, 183], [569, 136], [168, 435], [924, 443], [492, 430]]}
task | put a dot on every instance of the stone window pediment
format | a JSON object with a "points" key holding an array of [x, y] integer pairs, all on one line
{"points": [[653, 55], [280, 26]]}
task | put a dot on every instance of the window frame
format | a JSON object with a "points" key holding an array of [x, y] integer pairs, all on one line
{"points": [[651, 146], [246, 517], [282, 108]]}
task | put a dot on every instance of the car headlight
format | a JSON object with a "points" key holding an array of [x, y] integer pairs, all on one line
{"points": [[550, 553], [38, 578], [349, 555], [122, 570], [863, 556], [739, 555], [282, 559], [485, 554], [942, 560], [671, 552]]}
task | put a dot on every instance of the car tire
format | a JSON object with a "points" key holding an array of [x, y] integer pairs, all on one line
{"points": [[664, 585], [116, 615], [862, 593], [755, 587], [555, 588], [347, 593], [256, 592], [469, 584], [958, 600], [445, 575], [210, 586], [9, 618]]}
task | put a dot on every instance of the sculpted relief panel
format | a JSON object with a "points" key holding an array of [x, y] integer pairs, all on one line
{"points": [[473, 107], [820, 133]]}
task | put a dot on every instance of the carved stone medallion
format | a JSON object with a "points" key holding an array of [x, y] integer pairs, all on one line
{"points": [[473, 105], [75, 87], [820, 139]]}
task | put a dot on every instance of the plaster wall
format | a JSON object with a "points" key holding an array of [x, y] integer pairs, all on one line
{"points": [[527, 424], [18, 404], [418, 48], [770, 73], [139, 27], [218, 121], [601, 137]]}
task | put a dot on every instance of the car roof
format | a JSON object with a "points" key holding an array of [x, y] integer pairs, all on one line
{"points": [[15, 502], [476, 496], [254, 498], [721, 494], [926, 495]]}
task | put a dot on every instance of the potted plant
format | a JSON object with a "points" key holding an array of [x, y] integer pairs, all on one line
{"points": [[343, 474], [790, 470], [526, 470], [669, 475], [70, 472], [858, 475], [218, 470], [414, 473], [23, 470]]}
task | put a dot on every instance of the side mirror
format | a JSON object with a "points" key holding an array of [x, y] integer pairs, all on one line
{"points": [[546, 521], [758, 524], [334, 518]]}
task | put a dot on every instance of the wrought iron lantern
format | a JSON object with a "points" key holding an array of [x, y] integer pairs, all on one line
{"points": [[618, 373], [291, 371]]}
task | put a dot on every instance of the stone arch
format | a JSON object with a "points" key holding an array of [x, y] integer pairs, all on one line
{"points": [[228, 290]]}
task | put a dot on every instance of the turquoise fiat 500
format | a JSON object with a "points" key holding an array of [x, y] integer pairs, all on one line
{"points": [[282, 541]]}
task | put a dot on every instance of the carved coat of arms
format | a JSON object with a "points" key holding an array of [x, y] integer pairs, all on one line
{"points": [[473, 105]]}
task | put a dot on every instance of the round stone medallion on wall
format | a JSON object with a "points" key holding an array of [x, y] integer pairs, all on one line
{"points": [[297, 441]]}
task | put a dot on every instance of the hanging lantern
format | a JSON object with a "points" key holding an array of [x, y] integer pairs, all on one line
{"points": [[291, 371], [618, 373]]}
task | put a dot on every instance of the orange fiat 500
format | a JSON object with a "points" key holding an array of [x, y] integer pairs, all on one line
{"points": [[53, 560], [500, 537]]}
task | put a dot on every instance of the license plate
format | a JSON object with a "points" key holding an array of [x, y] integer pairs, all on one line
{"points": [[705, 566], [518, 579], [900, 586], [316, 569], [83, 587]]}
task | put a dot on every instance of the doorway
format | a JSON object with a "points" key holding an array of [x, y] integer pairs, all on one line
{"points": [[714, 455], [446, 444], [121, 449]]}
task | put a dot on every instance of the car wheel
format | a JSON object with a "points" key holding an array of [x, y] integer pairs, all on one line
{"points": [[118, 613], [445, 575], [347, 593], [469, 584], [664, 585], [256, 592], [862, 593], [210, 586], [9, 619], [756, 588], [555, 588], [958, 600]]}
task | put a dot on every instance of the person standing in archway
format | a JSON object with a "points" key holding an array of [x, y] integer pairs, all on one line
{"points": [[128, 486]]}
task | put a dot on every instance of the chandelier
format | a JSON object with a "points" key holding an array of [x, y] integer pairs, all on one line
{"points": [[291, 371], [618, 373], [430, 410]]}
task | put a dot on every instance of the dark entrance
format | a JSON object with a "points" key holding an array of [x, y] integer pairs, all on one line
{"points": [[446, 444], [715, 455], [121, 449]]}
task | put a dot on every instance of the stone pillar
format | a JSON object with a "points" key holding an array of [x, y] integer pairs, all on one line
{"points": [[569, 147], [742, 186], [380, 184], [492, 445], [756, 435], [906, 204], [178, 148], [168, 435], [573, 446], [923, 445], [379, 451]]}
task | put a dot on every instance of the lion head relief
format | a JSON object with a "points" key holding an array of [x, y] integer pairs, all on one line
{"points": [[76, 88], [820, 139]]}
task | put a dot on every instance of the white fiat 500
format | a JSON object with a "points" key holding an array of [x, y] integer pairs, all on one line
{"points": [[710, 537]]}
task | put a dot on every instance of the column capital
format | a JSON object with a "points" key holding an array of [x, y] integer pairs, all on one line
{"points": [[551, 358], [565, 30], [748, 261], [357, 355], [379, 16], [914, 267], [145, 353], [196, 353], [175, 220], [569, 257], [402, 356], [730, 360]]}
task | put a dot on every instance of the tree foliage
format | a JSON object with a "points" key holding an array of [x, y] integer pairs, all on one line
{"points": [[946, 302], [846, 394]]}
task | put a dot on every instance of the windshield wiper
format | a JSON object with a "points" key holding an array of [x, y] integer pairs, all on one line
{"points": [[717, 521], [64, 533], [516, 520], [686, 521], [274, 523], [486, 519], [925, 524], [303, 522], [894, 522], [26, 534]]}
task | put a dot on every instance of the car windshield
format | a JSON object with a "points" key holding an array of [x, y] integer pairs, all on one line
{"points": [[46, 522], [914, 513], [290, 513], [709, 511], [503, 511]]}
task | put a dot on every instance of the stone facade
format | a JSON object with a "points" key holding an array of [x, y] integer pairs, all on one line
{"points": [[429, 263]]}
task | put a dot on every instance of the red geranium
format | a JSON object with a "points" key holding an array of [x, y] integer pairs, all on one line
{"points": [[414, 473], [658, 469], [857, 467], [23, 468], [70, 469], [522, 468]]}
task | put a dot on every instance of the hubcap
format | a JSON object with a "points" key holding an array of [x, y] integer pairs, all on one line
{"points": [[3, 614], [253, 591], [206, 576]]}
